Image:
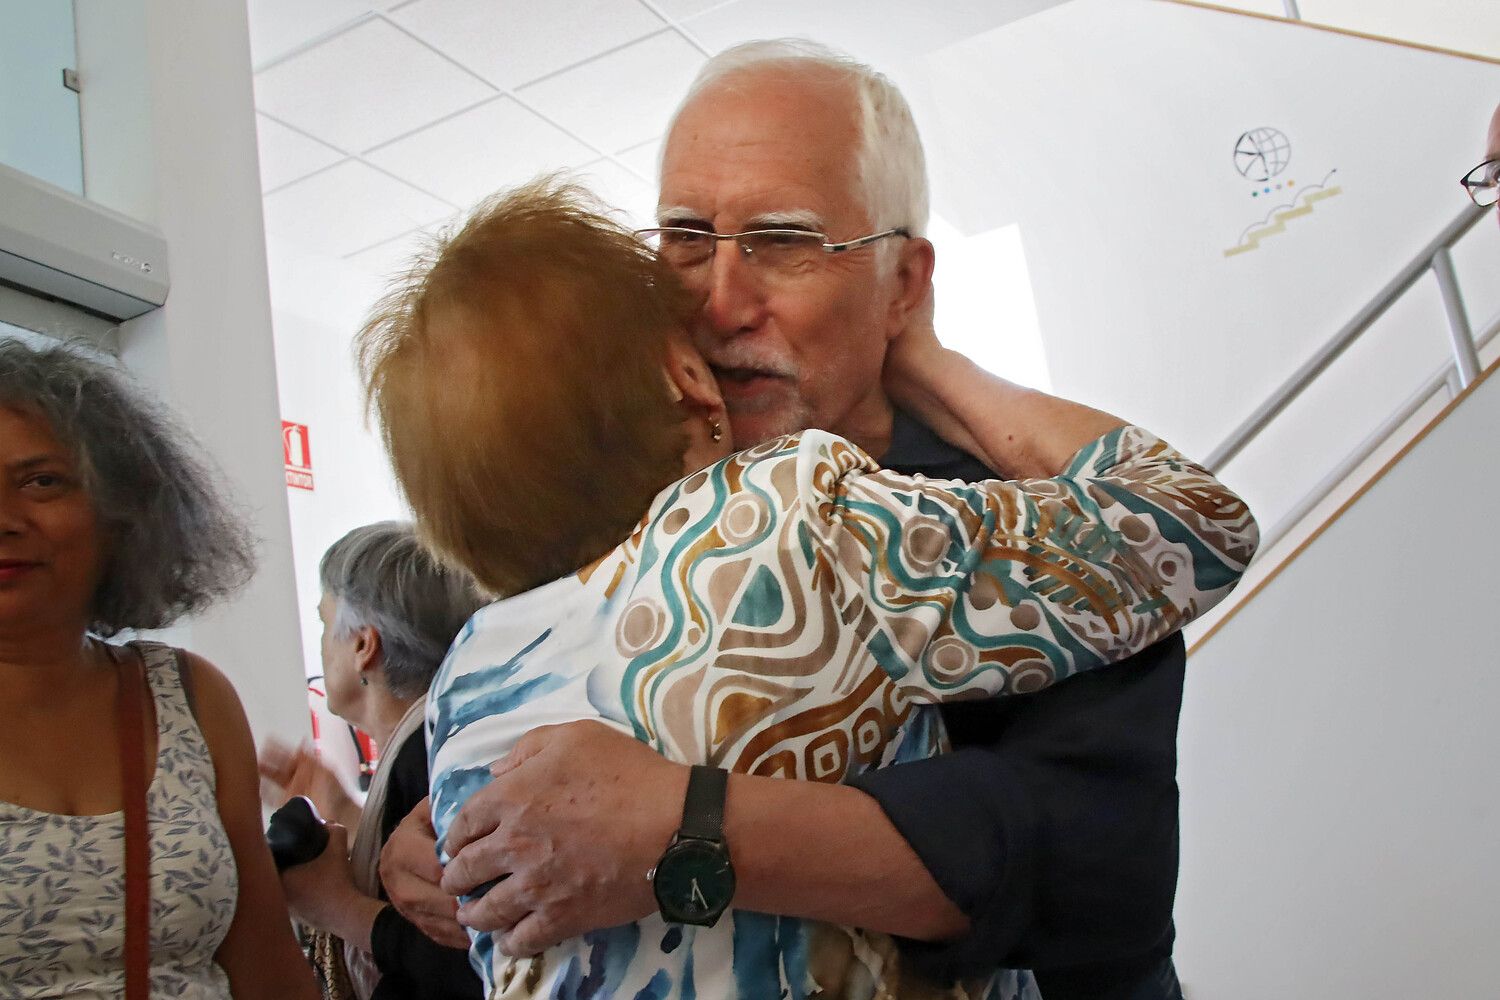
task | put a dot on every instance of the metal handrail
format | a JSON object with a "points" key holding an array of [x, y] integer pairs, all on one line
{"points": [[1444, 376], [1432, 257]]}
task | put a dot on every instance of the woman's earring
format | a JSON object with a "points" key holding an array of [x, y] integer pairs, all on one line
{"points": [[364, 681], [714, 430]]}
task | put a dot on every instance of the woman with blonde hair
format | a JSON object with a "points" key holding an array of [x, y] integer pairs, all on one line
{"points": [[788, 611]]}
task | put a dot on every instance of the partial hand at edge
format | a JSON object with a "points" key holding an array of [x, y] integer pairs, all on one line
{"points": [[914, 362], [576, 817], [287, 772], [410, 872], [1019, 433]]}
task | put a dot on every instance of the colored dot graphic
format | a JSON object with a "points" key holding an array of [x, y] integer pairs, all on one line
{"points": [[1274, 187]]}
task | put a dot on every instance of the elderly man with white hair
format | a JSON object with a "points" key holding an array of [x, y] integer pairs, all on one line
{"points": [[1048, 839]]}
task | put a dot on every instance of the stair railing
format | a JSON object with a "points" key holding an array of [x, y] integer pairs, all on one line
{"points": [[1455, 374]]}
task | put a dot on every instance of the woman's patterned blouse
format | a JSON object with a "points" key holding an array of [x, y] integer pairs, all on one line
{"points": [[796, 611]]}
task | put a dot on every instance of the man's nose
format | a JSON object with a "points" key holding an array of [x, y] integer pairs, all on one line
{"points": [[734, 291]]}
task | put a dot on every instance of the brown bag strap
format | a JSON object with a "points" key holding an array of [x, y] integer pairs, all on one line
{"points": [[132, 716]]}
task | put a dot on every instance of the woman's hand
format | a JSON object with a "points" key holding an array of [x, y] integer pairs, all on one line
{"points": [[916, 366], [287, 772], [1018, 432], [321, 893]]}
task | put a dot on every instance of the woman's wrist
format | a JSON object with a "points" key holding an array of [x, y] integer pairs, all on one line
{"points": [[351, 916]]}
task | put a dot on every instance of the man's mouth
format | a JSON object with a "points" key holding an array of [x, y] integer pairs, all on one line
{"points": [[741, 383]]}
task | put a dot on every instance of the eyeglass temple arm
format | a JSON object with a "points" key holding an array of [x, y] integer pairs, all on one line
{"points": [[865, 240]]}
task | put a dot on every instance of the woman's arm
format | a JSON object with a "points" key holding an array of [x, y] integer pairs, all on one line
{"points": [[259, 953], [322, 893], [1020, 433], [1003, 587]]}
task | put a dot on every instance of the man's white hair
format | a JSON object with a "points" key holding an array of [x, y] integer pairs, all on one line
{"points": [[892, 167]]}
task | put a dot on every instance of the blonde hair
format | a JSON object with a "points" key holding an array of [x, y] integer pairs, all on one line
{"points": [[517, 374]]}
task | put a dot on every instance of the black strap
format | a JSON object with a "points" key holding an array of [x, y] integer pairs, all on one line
{"points": [[703, 808]]}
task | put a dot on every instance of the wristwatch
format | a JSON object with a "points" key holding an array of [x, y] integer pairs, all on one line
{"points": [[694, 880]]}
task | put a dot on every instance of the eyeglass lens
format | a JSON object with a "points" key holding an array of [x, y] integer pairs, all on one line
{"points": [[777, 249], [1483, 183]]}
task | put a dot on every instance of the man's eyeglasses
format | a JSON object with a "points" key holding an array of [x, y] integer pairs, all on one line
{"points": [[1483, 183], [774, 249]]}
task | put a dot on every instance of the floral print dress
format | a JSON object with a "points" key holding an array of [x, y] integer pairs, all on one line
{"points": [[62, 878]]}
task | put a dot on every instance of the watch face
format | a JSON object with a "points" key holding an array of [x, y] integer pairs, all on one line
{"points": [[694, 882]]}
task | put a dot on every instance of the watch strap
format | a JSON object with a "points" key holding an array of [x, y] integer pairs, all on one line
{"points": [[703, 808]]}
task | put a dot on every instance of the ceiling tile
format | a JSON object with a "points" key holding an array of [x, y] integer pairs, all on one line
{"points": [[678, 10], [495, 145], [512, 42], [622, 99], [885, 33], [363, 87], [644, 159], [386, 260], [278, 26], [287, 155], [348, 208], [619, 189]]}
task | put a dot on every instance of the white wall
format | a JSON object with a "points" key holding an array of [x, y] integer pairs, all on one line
{"points": [[318, 303], [169, 138], [1105, 129], [1338, 751]]}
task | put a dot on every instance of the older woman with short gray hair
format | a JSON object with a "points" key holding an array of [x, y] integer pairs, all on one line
{"points": [[109, 521], [390, 611]]}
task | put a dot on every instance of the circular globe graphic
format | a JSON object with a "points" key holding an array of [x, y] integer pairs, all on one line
{"points": [[1262, 153]]}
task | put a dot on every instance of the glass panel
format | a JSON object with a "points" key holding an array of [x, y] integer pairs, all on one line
{"points": [[38, 114]]}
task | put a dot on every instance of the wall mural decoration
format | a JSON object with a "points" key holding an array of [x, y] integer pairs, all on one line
{"points": [[1262, 155]]}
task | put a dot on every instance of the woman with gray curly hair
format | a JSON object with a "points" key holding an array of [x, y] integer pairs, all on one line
{"points": [[131, 849], [389, 611]]}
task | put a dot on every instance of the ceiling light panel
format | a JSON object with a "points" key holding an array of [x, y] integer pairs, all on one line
{"points": [[366, 86]]}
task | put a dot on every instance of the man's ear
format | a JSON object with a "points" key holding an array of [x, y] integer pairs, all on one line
{"points": [[914, 285], [689, 377]]}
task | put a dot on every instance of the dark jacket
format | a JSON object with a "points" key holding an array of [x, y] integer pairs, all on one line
{"points": [[1053, 824]]}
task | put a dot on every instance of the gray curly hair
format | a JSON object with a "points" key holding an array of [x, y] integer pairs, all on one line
{"points": [[172, 543], [382, 577]]}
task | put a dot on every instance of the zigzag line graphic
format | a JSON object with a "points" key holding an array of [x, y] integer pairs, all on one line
{"points": [[1276, 221]]}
